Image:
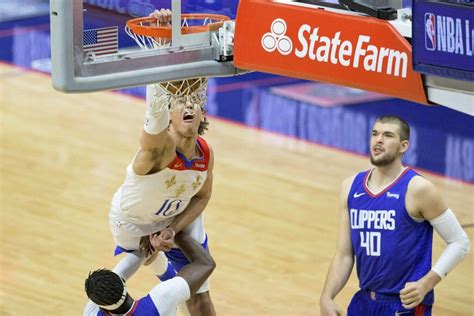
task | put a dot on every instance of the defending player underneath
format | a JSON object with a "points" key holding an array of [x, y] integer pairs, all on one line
{"points": [[108, 294]]}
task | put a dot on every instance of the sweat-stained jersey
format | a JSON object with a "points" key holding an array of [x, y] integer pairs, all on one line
{"points": [[391, 248]]}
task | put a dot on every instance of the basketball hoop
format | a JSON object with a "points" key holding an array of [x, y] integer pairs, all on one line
{"points": [[148, 35]]}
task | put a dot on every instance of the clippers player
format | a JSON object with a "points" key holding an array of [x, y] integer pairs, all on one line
{"points": [[387, 220], [109, 296]]}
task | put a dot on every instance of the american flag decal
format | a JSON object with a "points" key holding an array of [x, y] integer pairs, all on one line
{"points": [[101, 41]]}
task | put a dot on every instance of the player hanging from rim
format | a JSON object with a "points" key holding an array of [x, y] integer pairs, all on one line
{"points": [[169, 182]]}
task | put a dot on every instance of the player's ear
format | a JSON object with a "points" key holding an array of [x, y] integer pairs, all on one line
{"points": [[404, 146]]}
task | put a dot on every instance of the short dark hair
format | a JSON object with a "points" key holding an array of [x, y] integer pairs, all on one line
{"points": [[104, 287], [402, 124]]}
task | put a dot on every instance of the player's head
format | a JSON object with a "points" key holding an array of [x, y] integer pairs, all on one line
{"points": [[389, 140], [106, 289], [187, 98]]}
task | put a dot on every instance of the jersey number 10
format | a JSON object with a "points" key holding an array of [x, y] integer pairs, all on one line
{"points": [[371, 242], [169, 207]]}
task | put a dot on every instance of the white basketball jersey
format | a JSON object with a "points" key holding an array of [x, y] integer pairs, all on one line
{"points": [[160, 196]]}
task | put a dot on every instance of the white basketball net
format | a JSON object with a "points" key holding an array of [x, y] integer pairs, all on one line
{"points": [[182, 91], [147, 42]]}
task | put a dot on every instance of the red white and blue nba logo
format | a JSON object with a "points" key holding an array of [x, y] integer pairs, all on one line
{"points": [[430, 33]]}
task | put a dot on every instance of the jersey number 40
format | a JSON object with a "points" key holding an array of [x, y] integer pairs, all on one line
{"points": [[371, 242]]}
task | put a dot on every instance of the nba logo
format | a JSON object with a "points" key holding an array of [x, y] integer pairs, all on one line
{"points": [[430, 33]]}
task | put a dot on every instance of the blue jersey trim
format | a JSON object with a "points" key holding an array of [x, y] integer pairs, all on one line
{"points": [[119, 250], [189, 163]]}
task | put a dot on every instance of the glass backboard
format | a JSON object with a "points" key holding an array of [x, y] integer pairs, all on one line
{"points": [[92, 51]]}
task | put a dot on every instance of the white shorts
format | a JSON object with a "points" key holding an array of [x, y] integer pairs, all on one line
{"points": [[127, 235]]}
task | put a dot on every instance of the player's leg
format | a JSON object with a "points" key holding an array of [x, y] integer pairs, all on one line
{"points": [[201, 304]]}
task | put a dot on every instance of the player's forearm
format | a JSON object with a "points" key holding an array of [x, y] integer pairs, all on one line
{"points": [[338, 274], [157, 119], [201, 263], [193, 250], [430, 280], [192, 211], [458, 243]]}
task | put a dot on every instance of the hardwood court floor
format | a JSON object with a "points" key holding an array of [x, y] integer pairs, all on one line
{"points": [[272, 221]]}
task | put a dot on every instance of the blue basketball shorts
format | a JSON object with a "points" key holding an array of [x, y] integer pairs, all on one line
{"points": [[368, 303], [177, 257]]}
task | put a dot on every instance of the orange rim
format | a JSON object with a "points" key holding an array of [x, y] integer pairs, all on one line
{"points": [[137, 27]]}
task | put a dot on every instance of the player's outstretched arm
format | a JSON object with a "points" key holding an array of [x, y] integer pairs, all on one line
{"points": [[343, 261], [155, 137], [424, 200], [155, 130]]}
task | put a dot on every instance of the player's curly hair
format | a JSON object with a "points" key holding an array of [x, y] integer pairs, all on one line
{"points": [[204, 124], [104, 287]]}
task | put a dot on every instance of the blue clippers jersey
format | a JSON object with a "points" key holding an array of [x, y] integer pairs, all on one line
{"points": [[390, 247]]}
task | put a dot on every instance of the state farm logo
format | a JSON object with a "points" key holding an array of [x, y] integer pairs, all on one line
{"points": [[430, 33], [276, 38], [340, 48]]}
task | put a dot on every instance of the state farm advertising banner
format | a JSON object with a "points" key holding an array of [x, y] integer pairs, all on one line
{"points": [[318, 45]]}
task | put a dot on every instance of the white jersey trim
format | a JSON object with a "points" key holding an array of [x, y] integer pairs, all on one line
{"points": [[366, 184]]}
